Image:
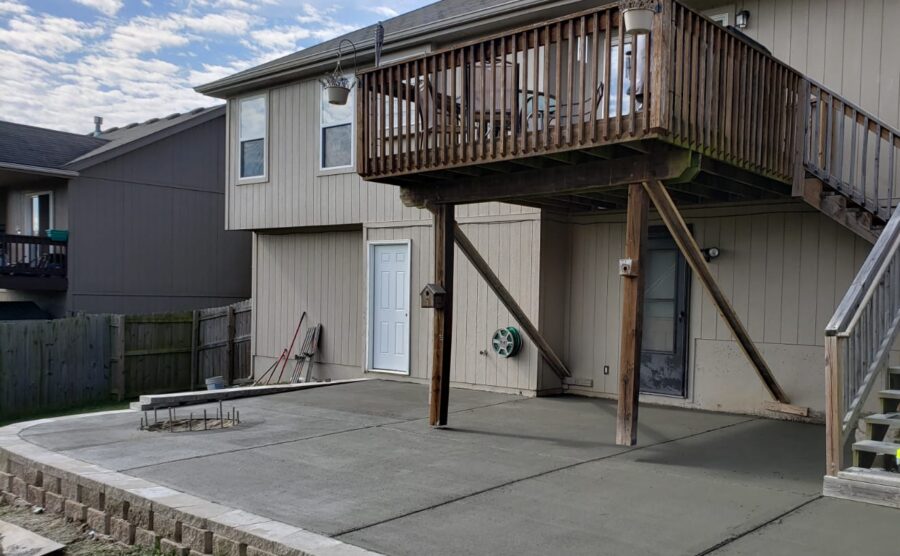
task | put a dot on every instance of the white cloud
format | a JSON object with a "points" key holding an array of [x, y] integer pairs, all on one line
{"points": [[107, 7], [12, 7], [385, 11], [147, 34], [46, 35]]}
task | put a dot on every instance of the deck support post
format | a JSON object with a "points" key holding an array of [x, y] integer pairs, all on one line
{"points": [[444, 228], [632, 316], [691, 251]]}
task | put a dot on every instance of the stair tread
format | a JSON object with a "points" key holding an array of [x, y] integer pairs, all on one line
{"points": [[890, 394], [884, 419], [875, 476], [894, 370], [878, 447]]}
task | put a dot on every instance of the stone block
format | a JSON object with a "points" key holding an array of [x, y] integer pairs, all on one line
{"points": [[98, 521], [76, 511], [35, 495], [121, 530], [146, 538], [225, 547], [196, 538], [251, 551], [166, 526], [141, 517], [8, 498], [6, 481], [19, 487], [54, 503], [171, 548]]}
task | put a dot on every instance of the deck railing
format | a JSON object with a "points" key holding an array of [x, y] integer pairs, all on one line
{"points": [[32, 256], [859, 338], [581, 82], [851, 151]]}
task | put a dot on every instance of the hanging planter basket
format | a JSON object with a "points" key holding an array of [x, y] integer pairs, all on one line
{"points": [[638, 15], [337, 85]]}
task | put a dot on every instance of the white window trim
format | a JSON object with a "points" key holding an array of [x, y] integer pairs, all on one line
{"points": [[29, 213], [350, 168], [370, 301], [237, 167], [720, 18]]}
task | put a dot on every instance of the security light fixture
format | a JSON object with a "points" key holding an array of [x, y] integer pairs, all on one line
{"points": [[710, 253], [742, 19]]}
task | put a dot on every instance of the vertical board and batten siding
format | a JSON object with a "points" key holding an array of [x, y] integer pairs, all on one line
{"points": [[784, 268], [322, 274], [512, 249], [50, 365], [849, 46], [296, 193], [325, 275], [148, 230]]}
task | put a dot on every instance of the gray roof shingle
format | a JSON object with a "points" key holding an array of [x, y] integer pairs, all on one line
{"points": [[44, 148]]}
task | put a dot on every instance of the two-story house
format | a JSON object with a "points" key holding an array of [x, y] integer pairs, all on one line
{"points": [[761, 133], [123, 220]]}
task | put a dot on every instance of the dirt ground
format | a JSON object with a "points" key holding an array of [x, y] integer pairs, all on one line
{"points": [[78, 538]]}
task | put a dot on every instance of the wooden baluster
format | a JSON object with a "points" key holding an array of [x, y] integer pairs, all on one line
{"points": [[517, 78], [646, 92], [694, 135], [570, 81], [632, 77], [877, 168], [471, 136], [607, 62], [595, 78], [454, 138], [545, 128], [482, 135], [523, 142], [582, 77], [391, 126], [558, 85], [535, 95], [503, 96], [842, 114], [495, 66], [891, 170], [864, 161], [851, 182], [620, 77]]}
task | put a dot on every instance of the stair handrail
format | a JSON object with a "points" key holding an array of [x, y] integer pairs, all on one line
{"points": [[858, 340]]}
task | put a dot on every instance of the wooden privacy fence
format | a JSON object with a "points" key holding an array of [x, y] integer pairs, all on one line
{"points": [[170, 352], [50, 365], [70, 362]]}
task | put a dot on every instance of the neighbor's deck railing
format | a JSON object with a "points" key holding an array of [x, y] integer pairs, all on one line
{"points": [[32, 256], [859, 337], [581, 82]]}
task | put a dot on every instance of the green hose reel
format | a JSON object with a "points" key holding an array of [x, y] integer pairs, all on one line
{"points": [[506, 342]]}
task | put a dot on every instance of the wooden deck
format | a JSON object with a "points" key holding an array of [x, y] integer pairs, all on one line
{"points": [[557, 115], [33, 263]]}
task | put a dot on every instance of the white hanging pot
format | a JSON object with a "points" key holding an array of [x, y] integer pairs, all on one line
{"points": [[337, 94], [638, 20]]}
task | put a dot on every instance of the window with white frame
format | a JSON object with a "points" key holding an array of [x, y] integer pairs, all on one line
{"points": [[336, 134], [253, 127]]}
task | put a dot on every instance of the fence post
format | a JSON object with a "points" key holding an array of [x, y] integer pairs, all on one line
{"points": [[195, 352], [117, 323], [229, 347]]}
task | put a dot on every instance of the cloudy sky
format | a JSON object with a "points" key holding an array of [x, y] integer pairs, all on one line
{"points": [[64, 61]]}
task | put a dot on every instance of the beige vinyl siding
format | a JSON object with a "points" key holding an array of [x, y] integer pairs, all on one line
{"points": [[512, 250], [296, 193], [850, 46], [784, 268], [322, 274]]}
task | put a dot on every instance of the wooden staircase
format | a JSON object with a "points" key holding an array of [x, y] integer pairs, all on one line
{"points": [[882, 430]]}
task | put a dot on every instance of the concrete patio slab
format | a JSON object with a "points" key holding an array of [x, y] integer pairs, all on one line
{"points": [[511, 475]]}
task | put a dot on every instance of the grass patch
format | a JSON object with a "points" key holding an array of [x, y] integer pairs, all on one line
{"points": [[86, 408]]}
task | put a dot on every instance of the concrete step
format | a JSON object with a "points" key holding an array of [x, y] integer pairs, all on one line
{"points": [[872, 486]]}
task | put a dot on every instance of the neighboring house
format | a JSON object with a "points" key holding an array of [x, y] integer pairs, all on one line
{"points": [[539, 105], [137, 214]]}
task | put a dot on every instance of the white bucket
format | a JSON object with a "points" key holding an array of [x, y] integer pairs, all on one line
{"points": [[215, 383]]}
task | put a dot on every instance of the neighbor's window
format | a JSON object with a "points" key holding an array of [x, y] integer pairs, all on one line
{"points": [[253, 137], [336, 135]]}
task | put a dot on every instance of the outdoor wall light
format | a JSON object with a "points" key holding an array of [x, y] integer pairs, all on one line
{"points": [[710, 253], [742, 19]]}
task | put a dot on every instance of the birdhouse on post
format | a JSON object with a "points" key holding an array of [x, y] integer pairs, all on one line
{"points": [[433, 296]]}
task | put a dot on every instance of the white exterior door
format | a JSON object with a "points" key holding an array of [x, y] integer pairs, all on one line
{"points": [[389, 307]]}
